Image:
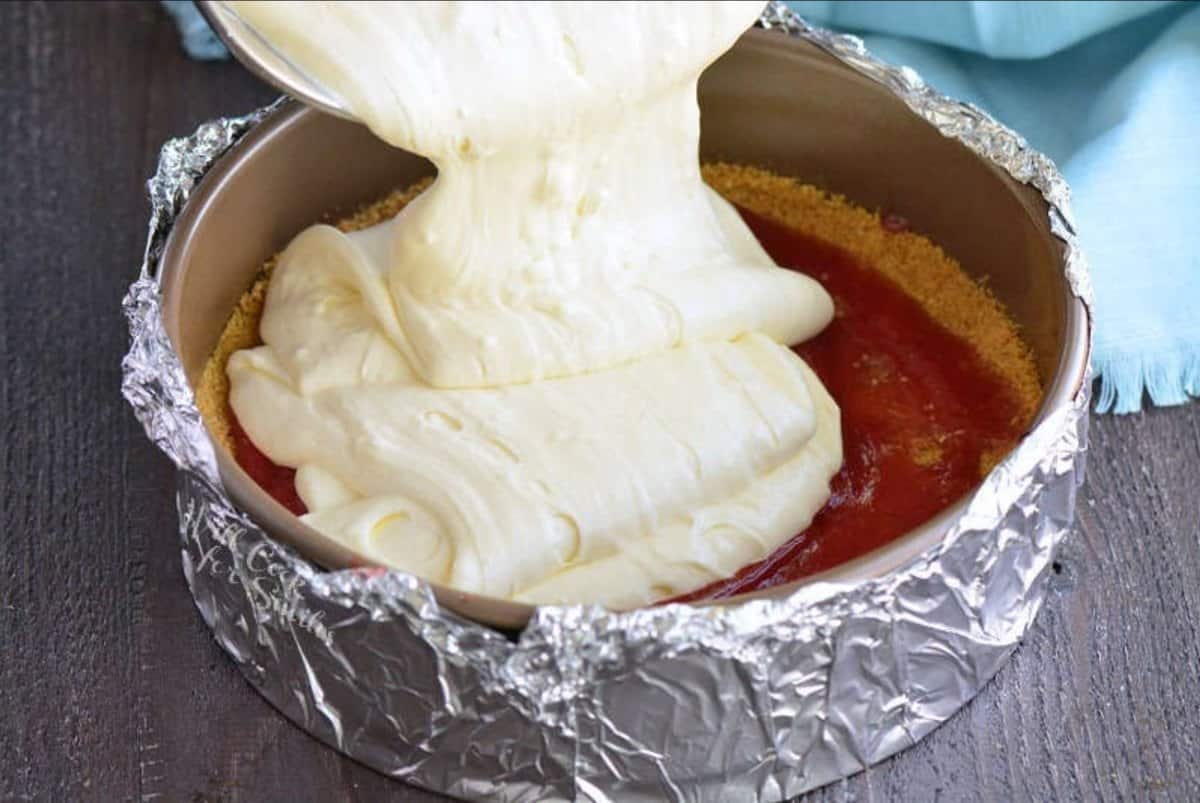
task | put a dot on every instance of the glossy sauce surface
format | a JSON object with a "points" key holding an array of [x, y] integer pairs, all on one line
{"points": [[921, 414], [922, 417], [278, 481]]}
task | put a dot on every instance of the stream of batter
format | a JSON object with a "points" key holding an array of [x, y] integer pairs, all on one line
{"points": [[562, 373]]}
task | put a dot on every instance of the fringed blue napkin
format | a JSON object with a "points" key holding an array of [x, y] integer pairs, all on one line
{"points": [[1110, 91]]}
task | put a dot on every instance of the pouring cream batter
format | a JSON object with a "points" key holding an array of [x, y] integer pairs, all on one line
{"points": [[561, 374]]}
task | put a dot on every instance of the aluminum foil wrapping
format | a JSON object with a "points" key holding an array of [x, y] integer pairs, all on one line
{"points": [[754, 701]]}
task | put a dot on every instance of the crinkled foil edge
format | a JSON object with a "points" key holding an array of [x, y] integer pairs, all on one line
{"points": [[755, 701]]}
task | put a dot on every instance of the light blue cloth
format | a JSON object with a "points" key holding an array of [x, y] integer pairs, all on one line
{"points": [[1111, 92], [197, 38]]}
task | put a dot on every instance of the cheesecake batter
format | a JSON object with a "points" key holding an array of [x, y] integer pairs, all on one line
{"points": [[561, 374]]}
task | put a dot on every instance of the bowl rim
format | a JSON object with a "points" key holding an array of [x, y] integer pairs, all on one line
{"points": [[280, 524]]}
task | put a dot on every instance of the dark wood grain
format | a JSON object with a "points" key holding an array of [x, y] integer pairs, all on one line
{"points": [[111, 688]]}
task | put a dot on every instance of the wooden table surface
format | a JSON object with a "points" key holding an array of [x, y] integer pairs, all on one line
{"points": [[111, 687]]}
